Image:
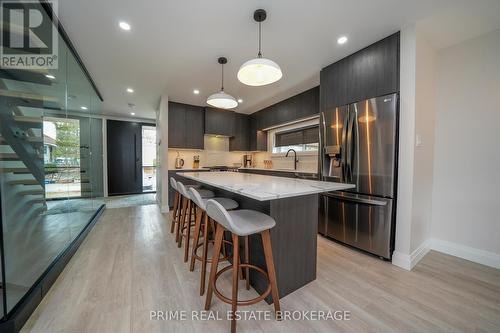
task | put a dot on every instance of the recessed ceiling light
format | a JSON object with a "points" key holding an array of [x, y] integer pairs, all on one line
{"points": [[130, 90], [240, 100], [50, 76], [83, 107], [196, 91], [342, 40], [124, 25], [132, 113]]}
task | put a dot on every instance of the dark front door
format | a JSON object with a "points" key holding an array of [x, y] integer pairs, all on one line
{"points": [[124, 157]]}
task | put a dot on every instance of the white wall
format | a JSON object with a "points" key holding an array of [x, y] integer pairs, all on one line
{"points": [[408, 44], [466, 197], [416, 148], [215, 153], [423, 164], [162, 153]]}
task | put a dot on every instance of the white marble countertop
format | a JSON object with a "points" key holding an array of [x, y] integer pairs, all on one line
{"points": [[262, 187], [189, 169], [279, 170]]}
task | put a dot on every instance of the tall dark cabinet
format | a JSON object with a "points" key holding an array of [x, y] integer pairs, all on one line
{"points": [[370, 72], [185, 126], [240, 141], [257, 137]]}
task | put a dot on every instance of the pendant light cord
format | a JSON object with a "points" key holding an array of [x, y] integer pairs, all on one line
{"points": [[222, 88], [260, 34]]}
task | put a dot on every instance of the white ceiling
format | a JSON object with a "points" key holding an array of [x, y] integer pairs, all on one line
{"points": [[173, 45]]}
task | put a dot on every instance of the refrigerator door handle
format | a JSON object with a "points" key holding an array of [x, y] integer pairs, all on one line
{"points": [[322, 139], [353, 143], [349, 150], [355, 199], [344, 150]]}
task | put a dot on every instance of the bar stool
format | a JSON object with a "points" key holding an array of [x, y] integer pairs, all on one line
{"points": [[228, 204], [242, 222], [177, 205], [184, 225]]}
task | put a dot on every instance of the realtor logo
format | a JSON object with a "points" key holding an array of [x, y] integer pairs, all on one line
{"points": [[29, 38]]}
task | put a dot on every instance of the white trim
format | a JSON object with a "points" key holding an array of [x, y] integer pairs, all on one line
{"points": [[466, 252], [406, 261], [164, 209]]}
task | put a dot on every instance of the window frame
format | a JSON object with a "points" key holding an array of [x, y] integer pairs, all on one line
{"points": [[285, 128]]}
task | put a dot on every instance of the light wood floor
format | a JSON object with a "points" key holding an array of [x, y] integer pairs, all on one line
{"points": [[129, 265]]}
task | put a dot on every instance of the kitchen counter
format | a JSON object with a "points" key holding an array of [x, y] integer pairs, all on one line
{"points": [[280, 170], [262, 187], [293, 203], [188, 169]]}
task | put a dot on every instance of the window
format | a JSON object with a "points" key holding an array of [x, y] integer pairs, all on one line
{"points": [[302, 139], [148, 158]]}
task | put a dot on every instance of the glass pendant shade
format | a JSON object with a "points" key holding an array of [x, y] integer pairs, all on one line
{"points": [[222, 100], [259, 72]]}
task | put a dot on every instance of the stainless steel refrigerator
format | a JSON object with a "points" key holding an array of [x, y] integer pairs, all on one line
{"points": [[358, 145]]}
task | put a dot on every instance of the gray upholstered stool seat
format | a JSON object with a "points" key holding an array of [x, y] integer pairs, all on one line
{"points": [[173, 183], [183, 190], [250, 222], [241, 222], [197, 197], [228, 204], [205, 194]]}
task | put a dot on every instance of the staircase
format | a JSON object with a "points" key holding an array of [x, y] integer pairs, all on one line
{"points": [[22, 176]]}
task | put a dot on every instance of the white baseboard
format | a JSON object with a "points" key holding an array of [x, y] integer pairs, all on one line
{"points": [[164, 209], [408, 261], [466, 252]]}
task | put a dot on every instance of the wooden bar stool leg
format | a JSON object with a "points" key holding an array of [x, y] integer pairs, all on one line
{"points": [[268, 253], [188, 230], [182, 219], [204, 255], [197, 228], [215, 261], [174, 212], [234, 296], [247, 261]]}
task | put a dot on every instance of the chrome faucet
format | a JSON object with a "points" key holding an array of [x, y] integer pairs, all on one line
{"points": [[295, 160]]}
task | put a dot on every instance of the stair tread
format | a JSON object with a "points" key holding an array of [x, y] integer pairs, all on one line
{"points": [[27, 119], [25, 95], [9, 156], [15, 169], [23, 182], [27, 192]]}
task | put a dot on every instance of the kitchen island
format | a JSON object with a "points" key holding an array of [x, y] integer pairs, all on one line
{"points": [[293, 203]]}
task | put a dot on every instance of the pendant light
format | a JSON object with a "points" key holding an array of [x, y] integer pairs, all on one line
{"points": [[222, 100], [259, 71]]}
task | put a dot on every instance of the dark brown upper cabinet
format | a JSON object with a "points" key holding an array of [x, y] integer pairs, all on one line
{"points": [[240, 141], [300, 106], [185, 126], [370, 72], [257, 137], [219, 122]]}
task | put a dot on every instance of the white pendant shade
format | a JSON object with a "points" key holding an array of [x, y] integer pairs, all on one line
{"points": [[222, 100], [259, 72]]}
